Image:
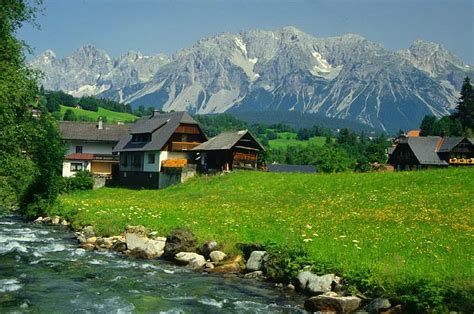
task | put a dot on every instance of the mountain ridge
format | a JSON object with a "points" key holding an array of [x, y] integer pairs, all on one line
{"points": [[345, 77]]}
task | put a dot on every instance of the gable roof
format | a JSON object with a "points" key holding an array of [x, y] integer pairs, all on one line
{"points": [[424, 149], [160, 125], [291, 168], [449, 143], [225, 141], [88, 131]]}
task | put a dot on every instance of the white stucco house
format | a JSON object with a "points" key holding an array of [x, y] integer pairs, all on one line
{"points": [[90, 146]]}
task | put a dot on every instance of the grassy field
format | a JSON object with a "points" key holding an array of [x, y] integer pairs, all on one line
{"points": [[112, 116], [407, 233], [286, 139]]}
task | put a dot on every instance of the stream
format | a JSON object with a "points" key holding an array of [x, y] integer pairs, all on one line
{"points": [[42, 270]]}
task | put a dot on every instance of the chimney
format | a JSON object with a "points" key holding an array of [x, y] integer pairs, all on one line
{"points": [[100, 125], [156, 112]]}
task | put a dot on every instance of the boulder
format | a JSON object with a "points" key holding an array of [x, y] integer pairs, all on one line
{"points": [[46, 220], [314, 284], [254, 275], [180, 240], [80, 237], [91, 240], [65, 222], [324, 303], [255, 262], [217, 256], [378, 305], [119, 246], [290, 287], [247, 249], [142, 247], [105, 243], [88, 232], [87, 246], [194, 260], [230, 266], [208, 247], [208, 266], [397, 309], [38, 220], [55, 220]]}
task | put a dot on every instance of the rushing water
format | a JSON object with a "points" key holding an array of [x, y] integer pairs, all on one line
{"points": [[42, 270]]}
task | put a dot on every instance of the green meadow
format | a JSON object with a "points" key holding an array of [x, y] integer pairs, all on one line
{"points": [[406, 235], [112, 116], [286, 139]]}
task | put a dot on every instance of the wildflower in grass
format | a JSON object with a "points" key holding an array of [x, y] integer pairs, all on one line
{"points": [[342, 236], [355, 241], [307, 240], [309, 226]]}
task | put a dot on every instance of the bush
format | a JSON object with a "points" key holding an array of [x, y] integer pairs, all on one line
{"points": [[83, 180]]}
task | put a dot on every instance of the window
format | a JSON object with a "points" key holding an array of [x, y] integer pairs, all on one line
{"points": [[137, 160], [78, 149], [76, 166], [124, 160], [151, 158]]}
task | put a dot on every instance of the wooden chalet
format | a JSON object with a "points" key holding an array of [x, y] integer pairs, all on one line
{"points": [[431, 151], [228, 151], [158, 150]]}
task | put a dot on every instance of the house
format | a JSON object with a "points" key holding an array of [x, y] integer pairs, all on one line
{"points": [[228, 151], [157, 151], [291, 168], [431, 151], [90, 145]]}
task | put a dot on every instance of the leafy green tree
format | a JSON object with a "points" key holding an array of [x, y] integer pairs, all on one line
{"points": [[31, 149], [428, 125], [70, 115]]}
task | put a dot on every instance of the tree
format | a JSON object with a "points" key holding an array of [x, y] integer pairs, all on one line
{"points": [[31, 150], [427, 126], [70, 115], [465, 109]]}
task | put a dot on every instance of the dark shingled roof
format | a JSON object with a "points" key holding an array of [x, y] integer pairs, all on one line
{"points": [[291, 168], [88, 131], [225, 141], [449, 143], [160, 125], [424, 149]]}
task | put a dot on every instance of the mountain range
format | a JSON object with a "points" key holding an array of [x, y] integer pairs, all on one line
{"points": [[344, 77]]}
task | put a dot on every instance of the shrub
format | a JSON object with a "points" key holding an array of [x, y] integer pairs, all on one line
{"points": [[83, 180]]}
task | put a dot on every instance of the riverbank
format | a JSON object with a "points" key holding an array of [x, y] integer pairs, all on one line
{"points": [[405, 236]]}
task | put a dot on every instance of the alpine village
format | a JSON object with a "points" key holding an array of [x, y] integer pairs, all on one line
{"points": [[131, 201]]}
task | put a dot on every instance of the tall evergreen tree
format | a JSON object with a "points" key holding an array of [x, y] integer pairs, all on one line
{"points": [[465, 109]]}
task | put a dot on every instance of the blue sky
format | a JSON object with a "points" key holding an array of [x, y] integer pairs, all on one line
{"points": [[169, 25]]}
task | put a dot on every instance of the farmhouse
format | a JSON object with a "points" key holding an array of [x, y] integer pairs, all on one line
{"points": [[90, 145], [432, 151], [228, 151], [157, 151]]}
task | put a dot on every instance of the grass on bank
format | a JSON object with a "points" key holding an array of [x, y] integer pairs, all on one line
{"points": [[286, 139], [112, 116], [405, 234]]}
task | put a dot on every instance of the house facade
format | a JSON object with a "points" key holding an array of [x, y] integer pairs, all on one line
{"points": [[90, 145], [413, 153], [229, 151], [157, 150]]}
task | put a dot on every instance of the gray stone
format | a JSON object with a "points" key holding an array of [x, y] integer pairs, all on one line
{"points": [[194, 260], [55, 220], [209, 266], [65, 222], [217, 256], [38, 220], [46, 220], [88, 232], [119, 246], [314, 284], [254, 275], [340, 305], [208, 247], [142, 247], [379, 304], [105, 243], [80, 237], [255, 261], [141, 230], [180, 240]]}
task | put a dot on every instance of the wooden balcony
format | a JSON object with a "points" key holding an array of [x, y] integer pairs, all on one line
{"points": [[183, 146]]}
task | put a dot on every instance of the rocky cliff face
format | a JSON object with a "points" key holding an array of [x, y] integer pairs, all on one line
{"points": [[346, 77]]}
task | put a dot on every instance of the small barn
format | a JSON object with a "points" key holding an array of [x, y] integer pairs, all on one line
{"points": [[229, 151]]}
